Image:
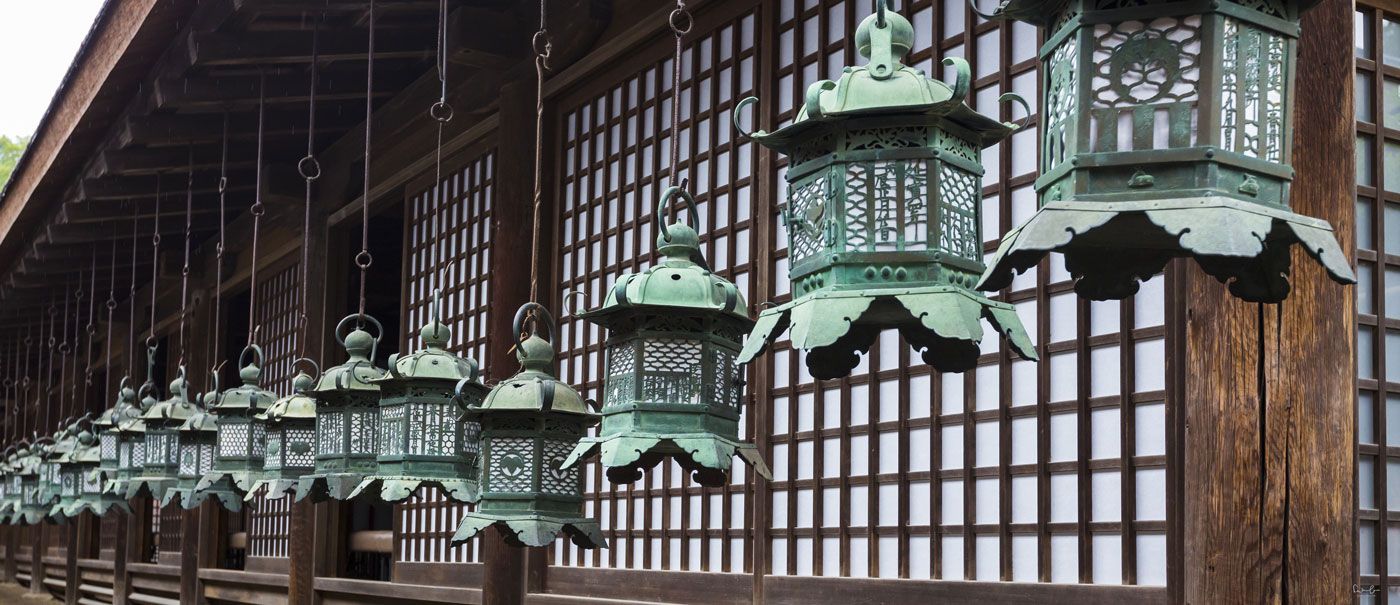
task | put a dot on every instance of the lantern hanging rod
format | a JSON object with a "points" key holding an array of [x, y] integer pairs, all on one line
{"points": [[681, 23], [542, 46], [310, 170], [219, 250], [256, 210], [363, 260], [185, 266], [441, 112]]}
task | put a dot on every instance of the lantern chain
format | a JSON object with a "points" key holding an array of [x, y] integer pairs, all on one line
{"points": [[441, 112], [219, 246], [111, 305], [310, 170], [155, 270], [80, 295], [185, 266], [364, 259], [64, 350], [256, 210], [131, 298], [91, 324], [543, 46], [681, 23], [46, 372]]}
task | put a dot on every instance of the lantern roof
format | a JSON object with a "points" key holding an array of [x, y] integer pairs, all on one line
{"points": [[433, 361], [885, 86], [357, 373], [534, 388], [202, 419], [296, 406], [175, 409], [111, 416], [247, 396], [681, 280]]}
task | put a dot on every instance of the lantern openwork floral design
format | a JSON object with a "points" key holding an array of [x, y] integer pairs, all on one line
{"points": [[347, 416], [673, 386], [1166, 132], [161, 466], [883, 214], [291, 441], [529, 424], [238, 455], [423, 439], [198, 443]]}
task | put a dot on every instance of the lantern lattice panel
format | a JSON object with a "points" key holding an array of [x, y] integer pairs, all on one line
{"points": [[615, 149], [1378, 274], [895, 471], [463, 202]]}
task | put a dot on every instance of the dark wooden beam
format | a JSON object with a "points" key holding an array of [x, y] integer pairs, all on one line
{"points": [[82, 234], [165, 129], [291, 47], [171, 186], [139, 161], [213, 93]]}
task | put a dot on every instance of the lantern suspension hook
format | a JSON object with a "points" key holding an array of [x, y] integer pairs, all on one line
{"points": [[315, 367], [536, 315], [310, 170], [663, 210], [441, 112], [219, 246], [155, 274], [360, 322], [542, 47], [254, 350], [185, 266], [681, 23]]}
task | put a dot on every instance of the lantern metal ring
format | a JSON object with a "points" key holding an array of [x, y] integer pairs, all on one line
{"points": [[663, 210], [379, 329]]}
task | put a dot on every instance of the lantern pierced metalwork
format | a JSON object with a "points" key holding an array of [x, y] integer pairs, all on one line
{"points": [[423, 438], [673, 386], [883, 215], [291, 441], [161, 466], [1166, 132], [347, 416], [238, 455], [529, 424]]}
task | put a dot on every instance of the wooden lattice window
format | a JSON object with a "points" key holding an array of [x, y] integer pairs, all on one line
{"points": [[615, 165], [461, 247], [277, 308], [167, 526], [108, 535]]}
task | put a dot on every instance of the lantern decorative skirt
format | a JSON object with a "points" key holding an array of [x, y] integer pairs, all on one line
{"points": [[673, 386], [160, 471], [423, 440], [883, 214], [291, 441], [238, 456], [1166, 132], [529, 424], [347, 417], [199, 437]]}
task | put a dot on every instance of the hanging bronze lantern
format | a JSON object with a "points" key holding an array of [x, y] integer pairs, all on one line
{"points": [[51, 475], [1166, 132], [34, 503], [673, 387], [529, 424], [70, 479], [291, 441], [10, 503], [198, 439], [884, 213], [238, 459], [82, 482], [347, 417], [130, 443], [423, 438], [161, 467]]}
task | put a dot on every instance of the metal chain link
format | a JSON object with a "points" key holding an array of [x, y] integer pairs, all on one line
{"points": [[364, 259], [543, 47], [256, 210]]}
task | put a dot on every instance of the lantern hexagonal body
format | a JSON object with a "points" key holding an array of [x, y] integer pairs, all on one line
{"points": [[238, 455], [1166, 132], [883, 214], [423, 439], [160, 471], [673, 386], [347, 419], [198, 443], [529, 424], [291, 441]]}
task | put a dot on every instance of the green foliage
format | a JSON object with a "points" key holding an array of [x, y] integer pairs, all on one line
{"points": [[10, 150]]}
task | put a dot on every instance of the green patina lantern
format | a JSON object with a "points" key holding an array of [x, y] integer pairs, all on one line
{"points": [[347, 417], [529, 424], [9, 484], [291, 441], [883, 214], [82, 481], [423, 438], [1166, 131], [73, 441], [35, 499], [129, 430], [238, 456], [198, 442], [673, 386], [50, 472], [160, 468]]}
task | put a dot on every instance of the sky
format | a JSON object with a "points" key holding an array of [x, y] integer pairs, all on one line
{"points": [[37, 43]]}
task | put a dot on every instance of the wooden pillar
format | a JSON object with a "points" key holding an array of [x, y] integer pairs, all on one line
{"points": [[36, 558], [189, 556], [213, 539], [119, 548], [11, 553], [1269, 390], [77, 546], [301, 571], [135, 535]]}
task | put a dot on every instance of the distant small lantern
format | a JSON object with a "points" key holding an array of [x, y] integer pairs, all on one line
{"points": [[883, 214], [1166, 131], [10, 500], [347, 417], [291, 441], [673, 386], [529, 424], [198, 439], [238, 457], [423, 439], [161, 466]]}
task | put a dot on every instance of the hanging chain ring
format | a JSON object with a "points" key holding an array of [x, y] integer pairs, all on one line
{"points": [[536, 314], [151, 343], [111, 303], [663, 210], [359, 321], [309, 168], [257, 353], [223, 184], [542, 44], [257, 209], [441, 111], [315, 367], [680, 20], [364, 259]]}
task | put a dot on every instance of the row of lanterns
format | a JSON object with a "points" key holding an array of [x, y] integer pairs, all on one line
{"points": [[883, 224]]}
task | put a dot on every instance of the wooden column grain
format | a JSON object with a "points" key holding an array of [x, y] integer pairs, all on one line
{"points": [[1269, 449], [504, 578], [76, 546], [189, 557], [11, 553], [36, 557]]}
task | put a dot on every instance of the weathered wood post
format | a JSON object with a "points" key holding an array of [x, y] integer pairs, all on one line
{"points": [[1267, 467]]}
